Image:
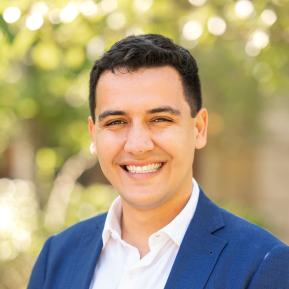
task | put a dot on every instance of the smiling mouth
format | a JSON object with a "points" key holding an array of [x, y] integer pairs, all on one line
{"points": [[149, 168]]}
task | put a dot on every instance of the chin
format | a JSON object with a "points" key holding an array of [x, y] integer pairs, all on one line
{"points": [[143, 199]]}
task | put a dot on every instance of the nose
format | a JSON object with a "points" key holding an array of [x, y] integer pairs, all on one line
{"points": [[138, 140]]}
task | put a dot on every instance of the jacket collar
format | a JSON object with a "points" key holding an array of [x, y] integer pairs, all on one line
{"points": [[200, 249], [87, 253]]}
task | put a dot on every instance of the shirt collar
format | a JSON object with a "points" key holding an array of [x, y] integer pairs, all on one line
{"points": [[112, 222], [175, 230]]}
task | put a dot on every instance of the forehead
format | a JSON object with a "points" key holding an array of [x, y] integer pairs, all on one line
{"points": [[143, 87]]}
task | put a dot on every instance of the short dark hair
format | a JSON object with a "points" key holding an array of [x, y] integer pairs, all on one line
{"points": [[147, 51]]}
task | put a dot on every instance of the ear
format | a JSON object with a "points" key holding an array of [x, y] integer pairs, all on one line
{"points": [[91, 128], [201, 128], [91, 131]]}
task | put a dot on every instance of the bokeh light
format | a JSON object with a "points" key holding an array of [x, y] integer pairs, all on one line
{"points": [[6, 218], [192, 30], [40, 8], [116, 21], [34, 21], [260, 39], [217, 25], [251, 49], [88, 8], [244, 8], [69, 13], [18, 212], [11, 14], [142, 5], [197, 2], [95, 48], [268, 17], [108, 5]]}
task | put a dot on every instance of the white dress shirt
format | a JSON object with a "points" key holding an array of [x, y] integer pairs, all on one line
{"points": [[120, 265]]}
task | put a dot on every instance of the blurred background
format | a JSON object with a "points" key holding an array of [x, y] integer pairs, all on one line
{"points": [[48, 180]]}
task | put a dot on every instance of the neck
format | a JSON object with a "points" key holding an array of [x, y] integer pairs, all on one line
{"points": [[139, 224]]}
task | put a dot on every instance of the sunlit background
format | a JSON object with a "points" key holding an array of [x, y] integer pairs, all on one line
{"points": [[48, 180]]}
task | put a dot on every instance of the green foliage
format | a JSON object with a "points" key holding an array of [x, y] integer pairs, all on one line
{"points": [[6, 30]]}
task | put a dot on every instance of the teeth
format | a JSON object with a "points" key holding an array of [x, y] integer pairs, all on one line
{"points": [[144, 169]]}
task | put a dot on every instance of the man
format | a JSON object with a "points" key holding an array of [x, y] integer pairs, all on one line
{"points": [[162, 232]]}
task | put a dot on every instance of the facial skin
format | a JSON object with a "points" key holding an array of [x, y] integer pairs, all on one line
{"points": [[145, 137]]}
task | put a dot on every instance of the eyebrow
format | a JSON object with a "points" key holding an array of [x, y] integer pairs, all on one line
{"points": [[110, 113], [167, 109]]}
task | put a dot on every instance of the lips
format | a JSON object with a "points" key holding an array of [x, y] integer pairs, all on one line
{"points": [[143, 169]]}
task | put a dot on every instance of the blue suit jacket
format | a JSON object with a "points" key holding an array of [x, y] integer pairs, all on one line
{"points": [[219, 251]]}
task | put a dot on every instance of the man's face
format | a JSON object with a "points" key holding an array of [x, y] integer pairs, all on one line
{"points": [[145, 136]]}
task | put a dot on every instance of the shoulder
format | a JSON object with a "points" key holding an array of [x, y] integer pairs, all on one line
{"points": [[64, 252], [232, 228], [244, 239], [254, 253], [274, 269], [244, 231], [248, 243]]}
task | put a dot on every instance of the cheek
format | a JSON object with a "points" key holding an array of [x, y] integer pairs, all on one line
{"points": [[176, 141], [106, 154], [108, 145]]}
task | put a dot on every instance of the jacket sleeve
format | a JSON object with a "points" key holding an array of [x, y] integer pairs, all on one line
{"points": [[273, 272], [38, 275]]}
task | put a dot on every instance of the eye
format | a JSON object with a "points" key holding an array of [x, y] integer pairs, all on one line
{"points": [[115, 122], [161, 119]]}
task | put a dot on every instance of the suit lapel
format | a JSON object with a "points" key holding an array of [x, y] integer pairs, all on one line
{"points": [[199, 250], [87, 254]]}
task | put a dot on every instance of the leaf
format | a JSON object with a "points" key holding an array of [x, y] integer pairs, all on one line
{"points": [[5, 28]]}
